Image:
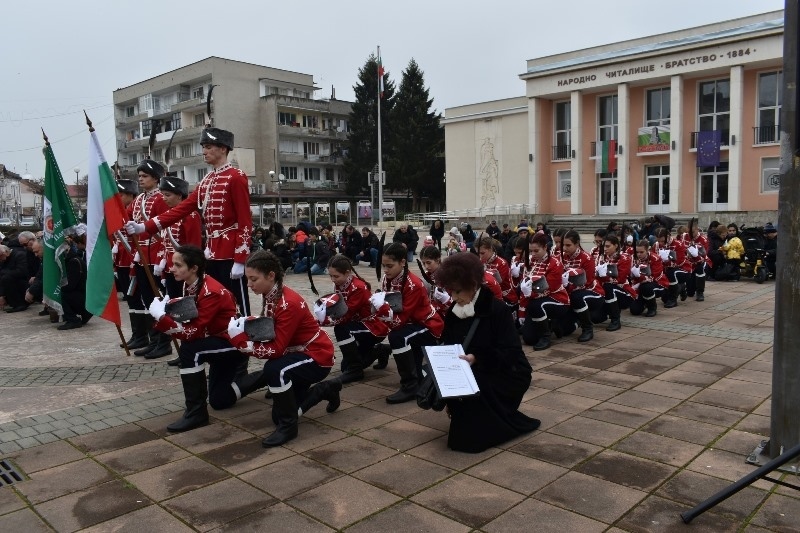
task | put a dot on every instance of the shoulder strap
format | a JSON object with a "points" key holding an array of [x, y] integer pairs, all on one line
{"points": [[470, 333]]}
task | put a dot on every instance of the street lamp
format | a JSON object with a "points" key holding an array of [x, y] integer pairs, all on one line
{"points": [[77, 171], [279, 181]]}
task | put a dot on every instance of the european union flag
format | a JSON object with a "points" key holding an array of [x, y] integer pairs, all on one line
{"points": [[708, 145]]}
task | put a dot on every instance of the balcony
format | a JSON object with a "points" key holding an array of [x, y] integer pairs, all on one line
{"points": [[726, 134], [767, 134], [188, 104], [562, 152]]}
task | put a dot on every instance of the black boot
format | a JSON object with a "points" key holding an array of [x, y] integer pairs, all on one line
{"points": [[163, 347], [652, 307], [543, 329], [147, 326], [700, 286], [683, 293], [587, 329], [671, 299], [352, 367], [195, 389], [382, 353], [409, 382], [139, 338], [247, 383], [174, 362], [324, 390], [284, 410], [613, 313]]}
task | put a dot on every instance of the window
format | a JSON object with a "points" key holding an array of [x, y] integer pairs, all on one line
{"points": [[562, 133], [173, 153], [287, 119], [174, 123], [770, 174], [132, 135], [714, 187], [201, 173], [310, 148], [564, 179], [290, 173], [309, 121], [770, 89], [658, 107], [133, 159], [198, 92], [130, 111], [607, 118], [311, 174], [329, 174], [146, 126], [158, 154], [289, 147], [199, 120], [186, 150], [714, 107]]}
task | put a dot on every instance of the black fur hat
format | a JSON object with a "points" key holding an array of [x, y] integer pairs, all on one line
{"points": [[128, 186], [174, 184], [217, 136], [152, 168]]}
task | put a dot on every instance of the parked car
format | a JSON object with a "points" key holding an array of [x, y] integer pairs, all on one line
{"points": [[5, 221], [27, 222]]}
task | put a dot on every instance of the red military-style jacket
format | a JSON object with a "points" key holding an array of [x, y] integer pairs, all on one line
{"points": [[700, 240], [623, 262], [185, 231], [656, 271], [500, 265], [417, 307], [215, 307], [356, 295], [223, 199], [122, 257], [581, 259], [680, 261], [144, 207], [552, 269], [296, 330]]}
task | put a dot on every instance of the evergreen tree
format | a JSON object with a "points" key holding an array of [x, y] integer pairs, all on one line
{"points": [[362, 142], [416, 162]]}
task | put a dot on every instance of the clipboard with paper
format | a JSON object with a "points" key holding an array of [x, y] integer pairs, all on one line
{"points": [[452, 375]]}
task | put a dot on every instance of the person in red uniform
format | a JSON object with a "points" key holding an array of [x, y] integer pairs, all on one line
{"points": [[617, 288], [223, 199], [357, 334], [416, 325], [122, 257], [147, 205], [185, 231], [300, 355], [673, 254], [697, 255], [648, 279], [586, 300], [494, 264], [204, 339], [551, 304]]}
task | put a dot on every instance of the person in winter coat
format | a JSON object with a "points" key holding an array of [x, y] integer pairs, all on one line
{"points": [[437, 232]]}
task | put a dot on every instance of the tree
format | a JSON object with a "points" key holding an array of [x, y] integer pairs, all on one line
{"points": [[362, 142], [417, 140]]}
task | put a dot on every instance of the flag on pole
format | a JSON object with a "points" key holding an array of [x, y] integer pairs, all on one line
{"points": [[59, 219], [708, 148], [380, 74], [606, 161], [105, 215]]}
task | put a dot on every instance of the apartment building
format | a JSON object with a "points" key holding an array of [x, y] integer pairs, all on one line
{"points": [[615, 129]]}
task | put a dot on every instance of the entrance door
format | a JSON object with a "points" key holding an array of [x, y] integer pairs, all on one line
{"points": [[608, 193], [713, 184], [657, 189]]}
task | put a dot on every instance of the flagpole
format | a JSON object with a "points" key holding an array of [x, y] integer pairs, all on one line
{"points": [[380, 153]]}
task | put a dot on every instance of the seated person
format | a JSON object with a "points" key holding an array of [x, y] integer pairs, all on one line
{"points": [[495, 354], [13, 279]]}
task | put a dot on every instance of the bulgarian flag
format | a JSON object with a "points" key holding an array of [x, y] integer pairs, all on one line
{"points": [[380, 74], [105, 215], [606, 161], [59, 219]]}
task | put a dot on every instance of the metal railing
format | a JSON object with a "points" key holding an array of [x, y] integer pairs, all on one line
{"points": [[561, 152], [479, 212], [767, 134], [726, 135]]}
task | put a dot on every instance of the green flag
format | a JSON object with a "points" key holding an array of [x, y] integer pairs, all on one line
{"points": [[59, 218]]}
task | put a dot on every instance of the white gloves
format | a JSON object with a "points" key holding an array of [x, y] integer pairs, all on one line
{"points": [[158, 307], [526, 287], [236, 326], [134, 228], [635, 272], [237, 271], [693, 251], [629, 239], [664, 255], [159, 268], [115, 248], [565, 279], [515, 268], [136, 257], [602, 270], [320, 311], [441, 295], [377, 300]]}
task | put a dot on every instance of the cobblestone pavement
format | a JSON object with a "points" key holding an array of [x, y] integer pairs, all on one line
{"points": [[637, 426]]}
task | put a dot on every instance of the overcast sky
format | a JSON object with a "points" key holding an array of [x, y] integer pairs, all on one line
{"points": [[61, 57]]}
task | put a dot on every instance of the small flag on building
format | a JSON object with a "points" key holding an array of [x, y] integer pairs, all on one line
{"points": [[708, 148], [380, 74], [59, 219], [105, 215], [606, 159]]}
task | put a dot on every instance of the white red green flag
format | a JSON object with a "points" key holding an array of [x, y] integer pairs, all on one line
{"points": [[380, 74], [606, 159], [59, 218], [105, 215]]}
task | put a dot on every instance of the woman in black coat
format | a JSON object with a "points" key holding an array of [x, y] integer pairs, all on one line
{"points": [[501, 369], [437, 232]]}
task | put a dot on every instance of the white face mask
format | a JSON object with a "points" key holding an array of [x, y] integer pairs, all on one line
{"points": [[468, 310]]}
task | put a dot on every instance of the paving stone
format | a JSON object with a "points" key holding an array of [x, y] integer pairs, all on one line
{"points": [[626, 470], [209, 437], [245, 455], [401, 434], [151, 518], [779, 513], [392, 474], [622, 415], [64, 479], [684, 429], [278, 517], [24, 520], [100, 442], [556, 449], [657, 515], [143, 456], [548, 519], [176, 478], [9, 501], [596, 498], [659, 448], [286, 478], [28, 442], [707, 413]]}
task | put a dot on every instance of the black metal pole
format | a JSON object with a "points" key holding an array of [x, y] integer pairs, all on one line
{"points": [[785, 412]]}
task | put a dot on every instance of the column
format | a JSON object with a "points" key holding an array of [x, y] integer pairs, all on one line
{"points": [[576, 164], [676, 154], [534, 163], [735, 150], [623, 127]]}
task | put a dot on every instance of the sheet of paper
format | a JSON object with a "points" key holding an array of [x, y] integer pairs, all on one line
{"points": [[453, 375]]}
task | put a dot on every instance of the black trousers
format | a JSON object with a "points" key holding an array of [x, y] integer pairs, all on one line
{"points": [[294, 371], [223, 360], [143, 296], [220, 270], [14, 292], [363, 337], [74, 305], [583, 299], [699, 271]]}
